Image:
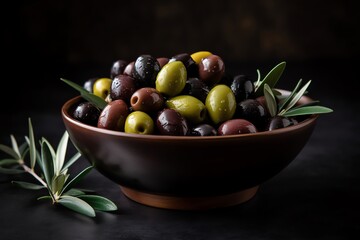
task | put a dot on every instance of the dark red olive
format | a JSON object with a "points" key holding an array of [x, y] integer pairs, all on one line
{"points": [[145, 71], [129, 69], [211, 69], [170, 122], [278, 122], [113, 116], [89, 84], [122, 87], [162, 61], [253, 111], [196, 88], [203, 129], [236, 126], [117, 68], [242, 87], [190, 65], [147, 100], [87, 113]]}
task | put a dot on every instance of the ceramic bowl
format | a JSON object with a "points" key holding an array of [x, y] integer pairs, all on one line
{"points": [[185, 172]]}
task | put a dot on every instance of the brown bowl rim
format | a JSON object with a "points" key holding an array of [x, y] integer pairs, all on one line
{"points": [[64, 110]]}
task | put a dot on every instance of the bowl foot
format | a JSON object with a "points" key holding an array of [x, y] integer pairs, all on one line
{"points": [[190, 203]]}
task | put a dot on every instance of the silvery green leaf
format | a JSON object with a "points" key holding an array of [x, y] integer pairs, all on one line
{"points": [[70, 162], [312, 103], [28, 185], [286, 101], [270, 100], [308, 110], [47, 161], [97, 101], [61, 153], [32, 146], [258, 78], [99, 203], [297, 96], [77, 205], [9, 151], [44, 197], [15, 145], [58, 182], [11, 170], [271, 78], [5, 162], [74, 192], [76, 179]]}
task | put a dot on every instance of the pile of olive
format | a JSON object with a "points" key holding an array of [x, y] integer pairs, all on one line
{"points": [[187, 94]]}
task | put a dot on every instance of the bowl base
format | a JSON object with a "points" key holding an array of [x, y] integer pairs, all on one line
{"points": [[190, 203]]}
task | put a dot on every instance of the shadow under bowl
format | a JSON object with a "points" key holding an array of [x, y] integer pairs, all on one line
{"points": [[187, 172]]}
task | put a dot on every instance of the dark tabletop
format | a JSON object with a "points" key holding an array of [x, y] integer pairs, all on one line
{"points": [[316, 197]]}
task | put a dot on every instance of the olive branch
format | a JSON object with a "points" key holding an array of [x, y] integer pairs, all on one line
{"points": [[54, 173]]}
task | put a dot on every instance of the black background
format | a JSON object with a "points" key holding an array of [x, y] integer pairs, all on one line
{"points": [[316, 197]]}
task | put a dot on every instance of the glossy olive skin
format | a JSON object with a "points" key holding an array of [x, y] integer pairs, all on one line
{"points": [[188, 106], [162, 61], [278, 122], [122, 87], [147, 99], [139, 122], [117, 68], [236, 126], [89, 84], [190, 65], [101, 87], [170, 122], [196, 88], [145, 70], [203, 129], [197, 56], [253, 111], [211, 69], [129, 69], [242, 87], [171, 79], [220, 103], [87, 113], [113, 116]]}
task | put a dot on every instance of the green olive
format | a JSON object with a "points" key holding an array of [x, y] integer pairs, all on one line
{"points": [[171, 79], [220, 103], [101, 87], [139, 122], [189, 107]]}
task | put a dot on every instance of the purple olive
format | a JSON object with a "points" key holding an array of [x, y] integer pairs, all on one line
{"points": [[122, 87], [211, 69], [162, 61], [147, 99], [129, 69], [113, 116], [170, 122], [236, 126], [117, 68], [87, 113]]}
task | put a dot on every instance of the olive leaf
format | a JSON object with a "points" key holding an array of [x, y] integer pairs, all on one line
{"points": [[271, 78], [96, 100], [54, 173], [288, 107]]}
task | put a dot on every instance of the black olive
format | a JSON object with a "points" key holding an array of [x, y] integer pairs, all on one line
{"points": [[145, 70]]}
